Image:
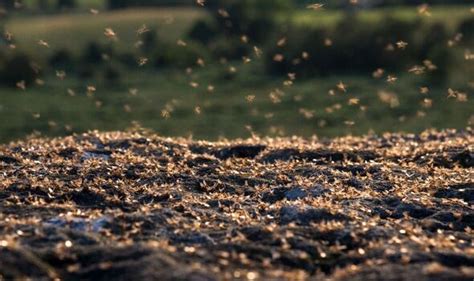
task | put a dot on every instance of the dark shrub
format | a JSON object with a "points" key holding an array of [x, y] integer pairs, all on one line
{"points": [[111, 74], [383, 3], [442, 58], [3, 57], [229, 48], [171, 56], [127, 60], [43, 5], [150, 41], [256, 19], [431, 45], [428, 36], [61, 59], [17, 68], [86, 70], [203, 31], [299, 40], [120, 4], [357, 47], [116, 4], [467, 30], [65, 4], [7, 4], [94, 53]]}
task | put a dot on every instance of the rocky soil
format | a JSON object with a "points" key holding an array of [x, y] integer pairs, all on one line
{"points": [[136, 206]]}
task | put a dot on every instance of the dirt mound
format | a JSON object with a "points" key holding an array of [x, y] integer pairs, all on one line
{"points": [[135, 206]]}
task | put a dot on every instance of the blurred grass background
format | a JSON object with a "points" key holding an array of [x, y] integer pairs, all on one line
{"points": [[74, 31], [220, 87]]}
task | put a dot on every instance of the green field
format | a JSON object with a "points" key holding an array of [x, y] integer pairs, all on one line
{"points": [[226, 112], [81, 5], [301, 109], [74, 31], [451, 16]]}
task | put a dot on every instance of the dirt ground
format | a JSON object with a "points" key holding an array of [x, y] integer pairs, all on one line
{"points": [[135, 206]]}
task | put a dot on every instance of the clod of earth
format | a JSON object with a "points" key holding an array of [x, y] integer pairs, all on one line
{"points": [[135, 206]]}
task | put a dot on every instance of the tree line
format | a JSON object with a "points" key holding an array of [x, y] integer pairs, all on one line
{"points": [[121, 4]]}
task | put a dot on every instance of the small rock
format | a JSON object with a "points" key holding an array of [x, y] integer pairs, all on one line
{"points": [[461, 191], [355, 170], [468, 219], [67, 152], [455, 259], [295, 193], [274, 195], [318, 215], [355, 183], [194, 238], [8, 159], [413, 210], [201, 161], [381, 212], [240, 151], [381, 186], [80, 224], [465, 159], [219, 203], [433, 225], [102, 154], [391, 201], [444, 217], [289, 214], [280, 155], [319, 190], [256, 233], [119, 144]]}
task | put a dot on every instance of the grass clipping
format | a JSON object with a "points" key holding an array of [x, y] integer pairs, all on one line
{"points": [[137, 206]]}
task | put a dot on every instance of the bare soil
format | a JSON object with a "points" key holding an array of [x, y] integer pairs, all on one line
{"points": [[136, 206]]}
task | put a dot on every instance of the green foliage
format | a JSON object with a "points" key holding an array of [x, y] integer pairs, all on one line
{"points": [[357, 47], [149, 41], [203, 31], [127, 59], [466, 28], [16, 69], [61, 59], [382, 3], [231, 20], [66, 4], [172, 56], [43, 5], [226, 112], [229, 48], [85, 71], [112, 74], [74, 31], [94, 53], [120, 4], [7, 4], [255, 19]]}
